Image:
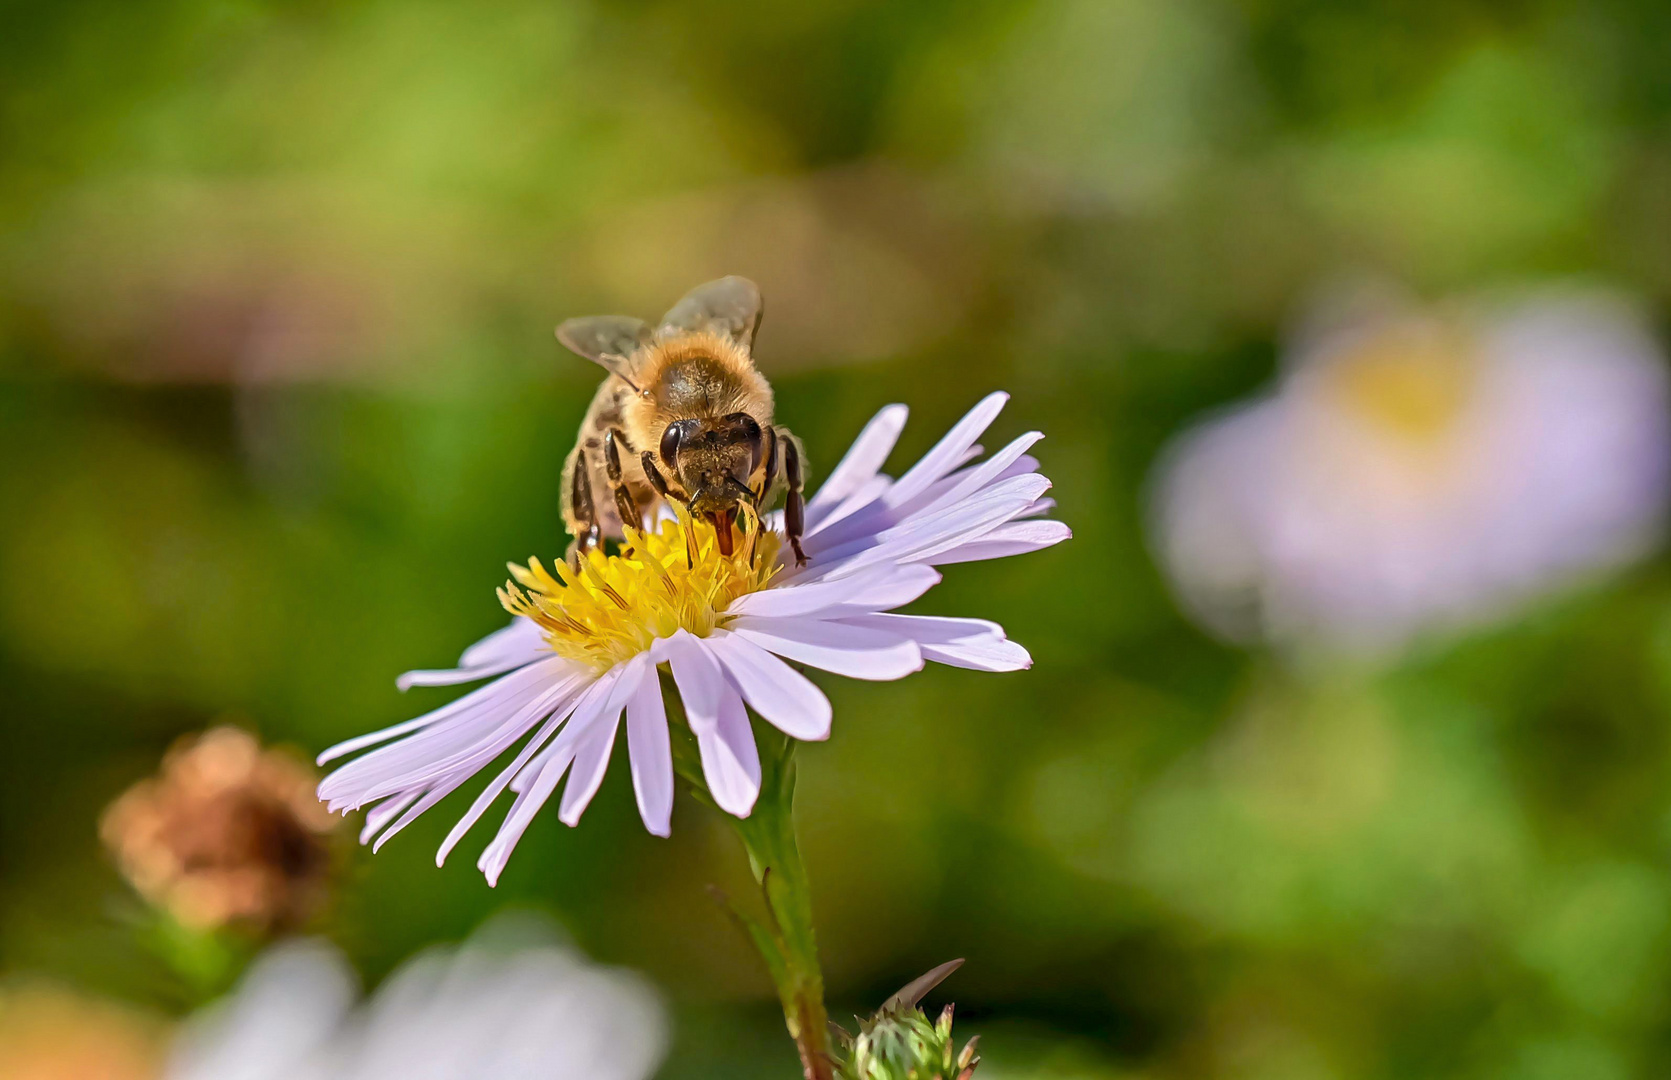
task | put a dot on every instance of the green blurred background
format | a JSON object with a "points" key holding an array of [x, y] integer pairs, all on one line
{"points": [[279, 398]]}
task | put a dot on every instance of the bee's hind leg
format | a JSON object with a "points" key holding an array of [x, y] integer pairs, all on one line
{"points": [[587, 534]]}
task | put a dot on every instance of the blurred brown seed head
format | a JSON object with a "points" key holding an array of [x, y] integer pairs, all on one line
{"points": [[54, 1035], [225, 833]]}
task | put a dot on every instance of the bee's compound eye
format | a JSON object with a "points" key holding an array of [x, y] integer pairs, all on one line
{"points": [[670, 443]]}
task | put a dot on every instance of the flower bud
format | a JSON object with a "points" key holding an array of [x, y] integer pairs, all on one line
{"points": [[900, 1043]]}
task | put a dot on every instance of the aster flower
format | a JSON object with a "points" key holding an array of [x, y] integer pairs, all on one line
{"points": [[226, 832], [483, 1011], [585, 647], [1417, 470]]}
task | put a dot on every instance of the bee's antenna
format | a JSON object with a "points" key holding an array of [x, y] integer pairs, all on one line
{"points": [[620, 373]]}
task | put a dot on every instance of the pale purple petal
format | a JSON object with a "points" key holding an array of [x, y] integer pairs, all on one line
{"points": [[782, 696], [701, 683], [990, 471], [866, 495], [433, 753], [1039, 508], [1015, 538], [650, 754], [854, 651], [883, 587], [521, 815], [522, 642], [497, 787], [522, 636], [861, 462], [558, 705], [591, 706], [966, 643], [454, 676], [478, 752], [713, 708], [592, 757], [920, 538], [591, 760], [875, 528], [730, 760], [481, 697], [949, 452], [1022, 465], [535, 783], [430, 798], [384, 812]]}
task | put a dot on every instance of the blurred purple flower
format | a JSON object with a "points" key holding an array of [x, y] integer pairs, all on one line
{"points": [[1420, 470]]}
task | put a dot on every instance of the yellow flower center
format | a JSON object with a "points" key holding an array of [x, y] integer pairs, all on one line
{"points": [[615, 606], [1412, 382]]}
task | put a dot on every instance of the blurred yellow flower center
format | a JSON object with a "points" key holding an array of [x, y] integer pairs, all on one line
{"points": [[616, 606], [1412, 382]]}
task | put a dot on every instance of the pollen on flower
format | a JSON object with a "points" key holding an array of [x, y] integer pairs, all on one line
{"points": [[616, 606]]}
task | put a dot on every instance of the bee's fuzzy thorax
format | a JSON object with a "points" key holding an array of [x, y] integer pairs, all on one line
{"points": [[718, 377]]}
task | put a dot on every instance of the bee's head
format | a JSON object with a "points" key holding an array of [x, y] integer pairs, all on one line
{"points": [[713, 461]]}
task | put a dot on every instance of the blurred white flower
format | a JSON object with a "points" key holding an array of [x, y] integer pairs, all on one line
{"points": [[585, 647], [1421, 470], [483, 1011]]}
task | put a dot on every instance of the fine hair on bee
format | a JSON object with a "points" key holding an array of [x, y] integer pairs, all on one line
{"points": [[683, 415]]}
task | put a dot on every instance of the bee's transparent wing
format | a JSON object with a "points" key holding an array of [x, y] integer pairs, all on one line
{"points": [[605, 339], [729, 306]]}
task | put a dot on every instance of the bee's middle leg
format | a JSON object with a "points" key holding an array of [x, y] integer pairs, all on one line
{"points": [[770, 463], [625, 505], [794, 507]]}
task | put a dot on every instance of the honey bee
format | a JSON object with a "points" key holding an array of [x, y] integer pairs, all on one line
{"points": [[684, 397]]}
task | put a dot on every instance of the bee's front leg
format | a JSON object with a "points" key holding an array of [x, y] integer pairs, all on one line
{"points": [[658, 481]]}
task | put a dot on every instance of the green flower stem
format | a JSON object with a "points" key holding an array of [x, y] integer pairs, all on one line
{"points": [[785, 937], [204, 963]]}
